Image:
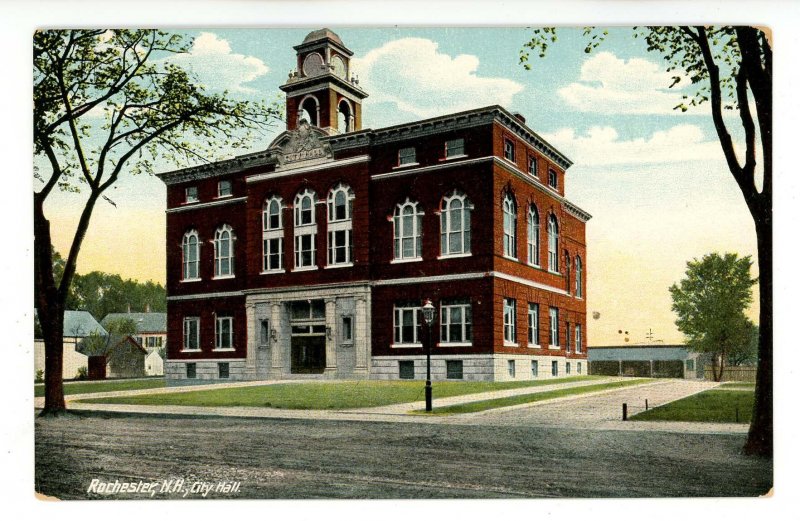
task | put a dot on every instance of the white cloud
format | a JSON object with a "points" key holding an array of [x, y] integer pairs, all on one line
{"points": [[602, 146], [610, 85], [414, 75], [211, 59]]}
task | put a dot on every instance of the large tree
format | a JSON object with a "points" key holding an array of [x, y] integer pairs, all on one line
{"points": [[108, 103], [710, 302], [728, 67]]}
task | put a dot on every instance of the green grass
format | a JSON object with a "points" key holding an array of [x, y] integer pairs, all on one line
{"points": [[738, 385], [103, 387], [530, 398], [708, 406], [323, 395]]}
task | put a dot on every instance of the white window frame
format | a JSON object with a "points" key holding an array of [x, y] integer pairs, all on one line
{"points": [[454, 148], [533, 325], [510, 322], [509, 149], [567, 338], [224, 233], [578, 339], [271, 234], [220, 184], [578, 277], [552, 244], [509, 227], [186, 262], [445, 312], [533, 236], [568, 369], [191, 199], [532, 161], [446, 229], [305, 229], [512, 368], [552, 179], [218, 334], [554, 340], [401, 234], [187, 332], [534, 369], [407, 156], [340, 227], [397, 326]]}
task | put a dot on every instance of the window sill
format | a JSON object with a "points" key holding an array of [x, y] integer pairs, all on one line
{"points": [[272, 272], [401, 261], [554, 348], [224, 350], [228, 196], [342, 265], [534, 346], [306, 268], [454, 344], [510, 258], [190, 202], [405, 165], [192, 280], [454, 256], [223, 277], [537, 266], [190, 350], [510, 344], [450, 158], [403, 346], [553, 272]]}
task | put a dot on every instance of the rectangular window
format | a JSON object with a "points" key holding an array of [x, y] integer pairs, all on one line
{"points": [[455, 369], [224, 188], [191, 194], [509, 321], [567, 337], [191, 370], [406, 369], [191, 334], [347, 330], [273, 254], [224, 369], [578, 339], [304, 252], [690, 365], [456, 321], [512, 368], [407, 156], [340, 246], [263, 338], [508, 149], [554, 368], [532, 166], [552, 178], [568, 368], [533, 325], [554, 327], [579, 368], [407, 326], [454, 147], [534, 368], [224, 333]]}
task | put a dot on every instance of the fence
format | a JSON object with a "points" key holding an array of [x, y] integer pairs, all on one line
{"points": [[638, 368], [734, 373]]}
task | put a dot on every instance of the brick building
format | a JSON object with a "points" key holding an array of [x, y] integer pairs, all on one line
{"points": [[312, 258]]}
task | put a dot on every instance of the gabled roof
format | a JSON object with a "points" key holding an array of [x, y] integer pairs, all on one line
{"points": [[107, 345], [145, 322], [78, 324]]}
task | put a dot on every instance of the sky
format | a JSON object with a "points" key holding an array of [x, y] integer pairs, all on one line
{"points": [[653, 178]]}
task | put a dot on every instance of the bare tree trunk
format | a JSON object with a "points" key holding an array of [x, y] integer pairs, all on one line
{"points": [[721, 367], [714, 367]]}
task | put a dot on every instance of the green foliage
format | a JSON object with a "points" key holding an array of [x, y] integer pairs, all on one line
{"points": [[83, 373], [40, 375], [708, 406], [107, 386], [121, 326], [710, 302]]}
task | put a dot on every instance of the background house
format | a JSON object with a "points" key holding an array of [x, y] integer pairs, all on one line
{"points": [[655, 360], [77, 326], [151, 334], [113, 356]]}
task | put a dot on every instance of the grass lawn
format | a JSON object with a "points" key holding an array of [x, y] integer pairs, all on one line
{"points": [[324, 395], [738, 385], [103, 387], [529, 398], [709, 406]]}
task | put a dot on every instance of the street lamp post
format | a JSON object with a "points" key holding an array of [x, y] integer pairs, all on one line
{"points": [[428, 314]]}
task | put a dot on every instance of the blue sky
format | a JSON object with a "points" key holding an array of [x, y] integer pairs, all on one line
{"points": [[653, 178]]}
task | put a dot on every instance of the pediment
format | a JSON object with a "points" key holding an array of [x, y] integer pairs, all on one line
{"points": [[301, 147]]}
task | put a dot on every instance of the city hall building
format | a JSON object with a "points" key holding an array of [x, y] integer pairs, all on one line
{"points": [[313, 258]]}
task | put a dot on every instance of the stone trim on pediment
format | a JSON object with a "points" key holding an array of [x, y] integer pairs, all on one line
{"points": [[301, 147]]}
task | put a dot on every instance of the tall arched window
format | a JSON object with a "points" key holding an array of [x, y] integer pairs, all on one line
{"points": [[552, 243], [578, 278], [273, 234], [223, 252], [456, 224], [533, 235], [407, 231], [509, 227], [305, 230], [309, 110], [191, 255], [340, 225]]}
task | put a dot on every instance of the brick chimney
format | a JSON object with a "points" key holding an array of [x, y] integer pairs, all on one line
{"points": [[520, 117]]}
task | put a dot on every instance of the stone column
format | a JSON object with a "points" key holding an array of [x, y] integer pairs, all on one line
{"points": [[277, 345], [330, 343], [361, 338], [252, 340]]}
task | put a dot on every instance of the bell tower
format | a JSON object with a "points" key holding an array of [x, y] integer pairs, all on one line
{"points": [[323, 90]]}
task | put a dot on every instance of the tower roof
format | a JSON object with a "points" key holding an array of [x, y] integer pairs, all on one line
{"points": [[321, 34]]}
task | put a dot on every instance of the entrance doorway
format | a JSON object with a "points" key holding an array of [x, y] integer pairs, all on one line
{"points": [[308, 354]]}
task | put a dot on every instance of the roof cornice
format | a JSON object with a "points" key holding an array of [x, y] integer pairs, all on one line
{"points": [[219, 168]]}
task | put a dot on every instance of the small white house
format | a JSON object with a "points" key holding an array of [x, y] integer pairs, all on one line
{"points": [[77, 326], [154, 364]]}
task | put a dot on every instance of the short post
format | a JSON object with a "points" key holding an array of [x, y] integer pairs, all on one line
{"points": [[624, 412], [646, 405]]}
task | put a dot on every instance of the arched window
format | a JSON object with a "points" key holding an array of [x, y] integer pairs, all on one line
{"points": [[273, 234], [578, 278], [340, 225], [309, 110], [223, 252], [305, 230], [191, 255], [456, 224], [407, 231], [552, 243], [533, 235], [509, 227], [345, 117]]}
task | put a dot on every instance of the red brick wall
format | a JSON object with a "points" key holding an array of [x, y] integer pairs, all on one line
{"points": [[207, 310]]}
